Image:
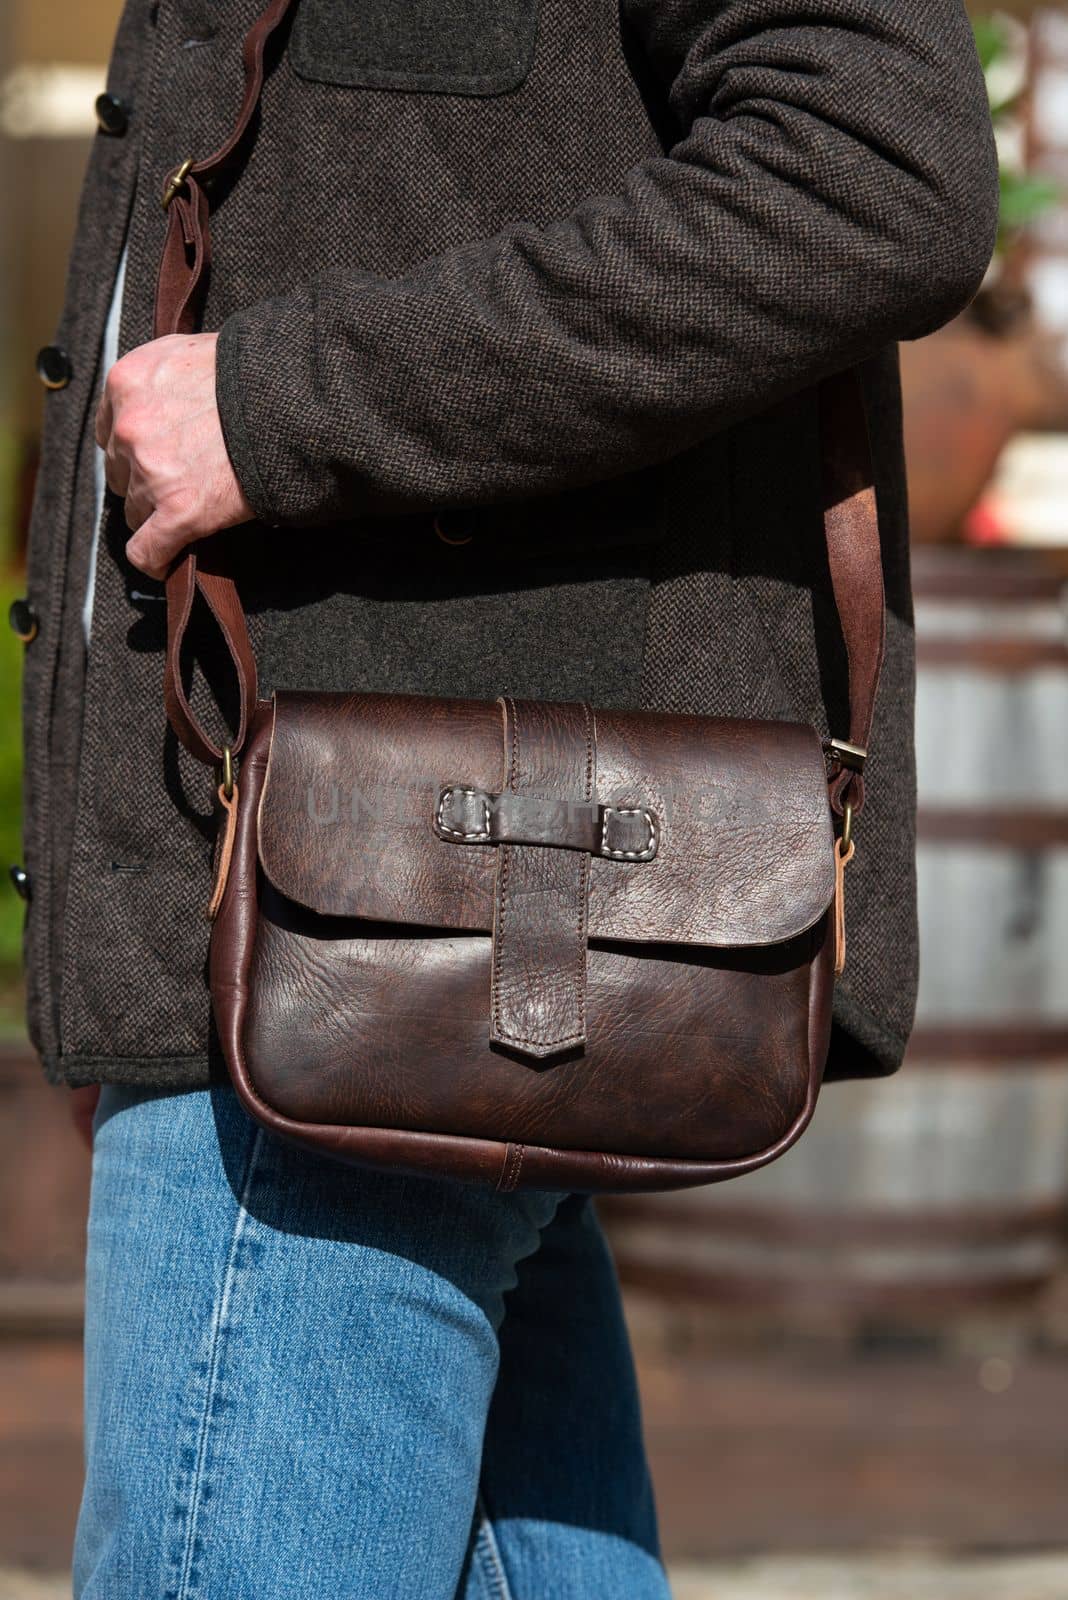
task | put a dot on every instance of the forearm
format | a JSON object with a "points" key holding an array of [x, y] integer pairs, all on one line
{"points": [[833, 188]]}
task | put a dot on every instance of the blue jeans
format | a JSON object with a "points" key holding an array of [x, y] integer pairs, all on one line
{"points": [[305, 1380]]}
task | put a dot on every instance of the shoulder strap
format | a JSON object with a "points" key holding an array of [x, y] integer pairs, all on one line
{"points": [[180, 286], [854, 556], [849, 514]]}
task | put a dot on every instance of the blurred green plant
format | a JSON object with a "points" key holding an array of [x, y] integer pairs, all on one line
{"points": [[1024, 195], [9, 457]]}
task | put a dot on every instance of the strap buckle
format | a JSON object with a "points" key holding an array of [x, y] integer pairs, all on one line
{"points": [[176, 182]]}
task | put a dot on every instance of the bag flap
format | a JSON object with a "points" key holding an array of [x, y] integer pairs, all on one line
{"points": [[745, 846]]}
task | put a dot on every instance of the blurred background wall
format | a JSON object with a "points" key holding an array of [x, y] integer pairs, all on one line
{"points": [[866, 1347]]}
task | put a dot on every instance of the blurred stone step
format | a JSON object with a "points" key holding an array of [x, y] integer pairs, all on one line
{"points": [[31, 1586], [890, 1577]]}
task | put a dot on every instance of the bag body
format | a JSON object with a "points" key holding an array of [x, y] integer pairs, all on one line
{"points": [[415, 963]]}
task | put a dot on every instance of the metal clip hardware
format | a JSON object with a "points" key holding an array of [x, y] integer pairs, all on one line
{"points": [[852, 756], [176, 182]]}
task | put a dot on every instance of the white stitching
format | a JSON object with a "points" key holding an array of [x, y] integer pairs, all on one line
{"points": [[648, 851], [455, 833], [487, 1553]]}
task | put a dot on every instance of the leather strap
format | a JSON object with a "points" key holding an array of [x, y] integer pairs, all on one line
{"points": [[854, 556], [850, 519], [180, 285], [186, 255], [538, 991], [188, 578]]}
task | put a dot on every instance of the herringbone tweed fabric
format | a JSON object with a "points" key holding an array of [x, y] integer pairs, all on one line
{"points": [[569, 282]]}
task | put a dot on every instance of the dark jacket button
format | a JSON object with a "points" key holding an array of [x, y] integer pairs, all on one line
{"points": [[112, 114], [450, 529], [23, 619], [21, 879], [53, 367]]}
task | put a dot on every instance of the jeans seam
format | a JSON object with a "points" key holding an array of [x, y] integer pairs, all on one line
{"points": [[488, 1555], [183, 1590]]}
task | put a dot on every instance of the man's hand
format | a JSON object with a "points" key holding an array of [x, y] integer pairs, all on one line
{"points": [[159, 427]]}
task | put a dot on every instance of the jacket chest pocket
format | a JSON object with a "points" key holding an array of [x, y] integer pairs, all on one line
{"points": [[472, 47]]}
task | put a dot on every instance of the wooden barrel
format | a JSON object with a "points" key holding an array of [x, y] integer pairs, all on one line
{"points": [[949, 1182]]}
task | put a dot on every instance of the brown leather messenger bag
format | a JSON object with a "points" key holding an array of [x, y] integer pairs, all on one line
{"points": [[530, 944]]}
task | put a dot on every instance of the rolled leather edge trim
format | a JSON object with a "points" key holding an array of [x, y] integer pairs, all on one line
{"points": [[503, 1164]]}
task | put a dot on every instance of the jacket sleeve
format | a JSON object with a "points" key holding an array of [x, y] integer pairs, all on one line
{"points": [[832, 187]]}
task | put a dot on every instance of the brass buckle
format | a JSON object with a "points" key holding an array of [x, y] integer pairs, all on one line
{"points": [[176, 182]]}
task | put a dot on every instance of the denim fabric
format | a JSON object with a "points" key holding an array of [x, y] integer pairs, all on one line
{"points": [[299, 1374]]}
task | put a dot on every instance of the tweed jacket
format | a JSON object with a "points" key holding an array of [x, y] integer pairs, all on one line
{"points": [[554, 278]]}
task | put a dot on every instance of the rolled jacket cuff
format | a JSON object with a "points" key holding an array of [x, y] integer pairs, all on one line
{"points": [[237, 434], [267, 392]]}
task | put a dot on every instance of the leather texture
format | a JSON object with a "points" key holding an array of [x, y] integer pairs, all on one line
{"points": [[370, 1040]]}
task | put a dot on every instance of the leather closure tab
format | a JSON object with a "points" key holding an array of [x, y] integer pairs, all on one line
{"points": [[464, 815], [538, 995]]}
